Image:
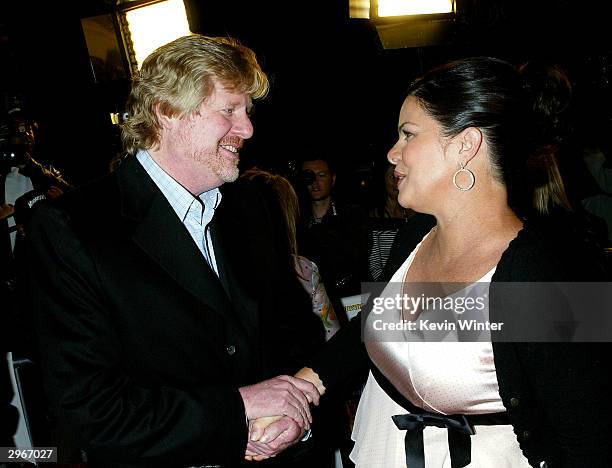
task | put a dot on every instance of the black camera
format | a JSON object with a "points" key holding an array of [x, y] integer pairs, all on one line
{"points": [[10, 156], [16, 140]]}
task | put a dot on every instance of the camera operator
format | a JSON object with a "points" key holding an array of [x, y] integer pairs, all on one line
{"points": [[20, 174], [24, 184]]}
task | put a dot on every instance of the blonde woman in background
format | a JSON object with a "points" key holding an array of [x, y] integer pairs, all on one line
{"points": [[284, 195]]}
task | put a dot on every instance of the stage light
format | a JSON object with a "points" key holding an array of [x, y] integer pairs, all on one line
{"points": [[374, 9], [359, 9], [388, 8], [156, 24], [408, 23]]}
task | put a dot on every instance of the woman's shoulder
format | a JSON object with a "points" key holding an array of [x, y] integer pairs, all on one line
{"points": [[545, 251]]}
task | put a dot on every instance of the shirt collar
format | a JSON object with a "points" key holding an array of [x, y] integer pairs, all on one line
{"points": [[182, 201]]}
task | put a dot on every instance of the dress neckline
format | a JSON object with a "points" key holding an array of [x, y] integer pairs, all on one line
{"points": [[408, 262]]}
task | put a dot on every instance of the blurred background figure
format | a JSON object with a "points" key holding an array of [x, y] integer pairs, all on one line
{"points": [[330, 426], [333, 232], [391, 226], [280, 191], [388, 206], [386, 218], [25, 183], [21, 175], [320, 180], [563, 187]]}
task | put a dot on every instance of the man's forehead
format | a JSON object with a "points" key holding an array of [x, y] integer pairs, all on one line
{"points": [[316, 165], [229, 95]]}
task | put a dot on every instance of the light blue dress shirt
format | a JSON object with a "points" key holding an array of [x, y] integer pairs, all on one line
{"points": [[195, 213]]}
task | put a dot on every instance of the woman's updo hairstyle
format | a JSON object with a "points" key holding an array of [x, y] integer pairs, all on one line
{"points": [[485, 93]]}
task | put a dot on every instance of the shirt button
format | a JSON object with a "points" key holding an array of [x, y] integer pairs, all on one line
{"points": [[514, 402], [231, 349], [526, 434]]}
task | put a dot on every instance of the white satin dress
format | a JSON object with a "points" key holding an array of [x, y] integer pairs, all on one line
{"points": [[443, 377]]}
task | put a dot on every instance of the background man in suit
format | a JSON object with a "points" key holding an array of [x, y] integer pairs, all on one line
{"points": [[149, 329]]}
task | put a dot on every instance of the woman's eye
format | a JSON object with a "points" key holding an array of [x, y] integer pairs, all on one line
{"points": [[406, 134], [229, 111]]}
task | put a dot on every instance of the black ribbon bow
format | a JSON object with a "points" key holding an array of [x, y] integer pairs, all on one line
{"points": [[459, 432]]}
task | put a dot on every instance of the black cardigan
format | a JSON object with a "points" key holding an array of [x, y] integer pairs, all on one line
{"points": [[557, 395]]}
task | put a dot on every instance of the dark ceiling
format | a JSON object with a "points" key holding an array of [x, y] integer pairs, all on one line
{"points": [[334, 88]]}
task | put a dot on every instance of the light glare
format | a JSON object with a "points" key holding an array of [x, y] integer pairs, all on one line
{"points": [[413, 7], [155, 25]]}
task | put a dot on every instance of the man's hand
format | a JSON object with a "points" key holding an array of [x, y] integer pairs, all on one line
{"points": [[280, 433], [280, 396], [6, 210]]}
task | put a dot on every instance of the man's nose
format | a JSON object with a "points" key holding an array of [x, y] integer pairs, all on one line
{"points": [[243, 127]]}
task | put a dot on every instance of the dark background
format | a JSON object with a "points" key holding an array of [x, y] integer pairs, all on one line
{"points": [[335, 90]]}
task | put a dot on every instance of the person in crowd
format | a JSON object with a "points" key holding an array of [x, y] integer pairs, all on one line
{"points": [[385, 220], [409, 233], [158, 338], [284, 206], [389, 207], [599, 166], [25, 182], [333, 233], [488, 403], [320, 180], [282, 196], [23, 177], [564, 187]]}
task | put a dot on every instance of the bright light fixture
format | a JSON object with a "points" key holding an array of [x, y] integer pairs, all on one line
{"points": [[413, 7], [154, 25]]}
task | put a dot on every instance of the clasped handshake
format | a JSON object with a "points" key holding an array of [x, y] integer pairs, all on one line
{"points": [[278, 411]]}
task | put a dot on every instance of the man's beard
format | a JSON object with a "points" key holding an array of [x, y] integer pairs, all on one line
{"points": [[224, 168]]}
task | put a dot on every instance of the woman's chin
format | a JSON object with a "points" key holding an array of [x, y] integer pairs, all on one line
{"points": [[406, 202]]}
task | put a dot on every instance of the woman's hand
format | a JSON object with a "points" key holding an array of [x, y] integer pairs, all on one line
{"points": [[306, 373]]}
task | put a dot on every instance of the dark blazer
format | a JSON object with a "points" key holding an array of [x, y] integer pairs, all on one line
{"points": [[143, 347], [556, 394]]}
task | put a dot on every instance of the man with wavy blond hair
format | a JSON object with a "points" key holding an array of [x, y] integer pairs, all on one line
{"points": [[150, 321]]}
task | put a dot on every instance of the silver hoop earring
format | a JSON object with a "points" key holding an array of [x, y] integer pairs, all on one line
{"points": [[467, 171]]}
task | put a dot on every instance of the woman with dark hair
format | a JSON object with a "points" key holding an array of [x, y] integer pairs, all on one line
{"points": [[464, 136]]}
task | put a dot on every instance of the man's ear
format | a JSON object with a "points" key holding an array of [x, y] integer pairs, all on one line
{"points": [[469, 142], [333, 180], [165, 121]]}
